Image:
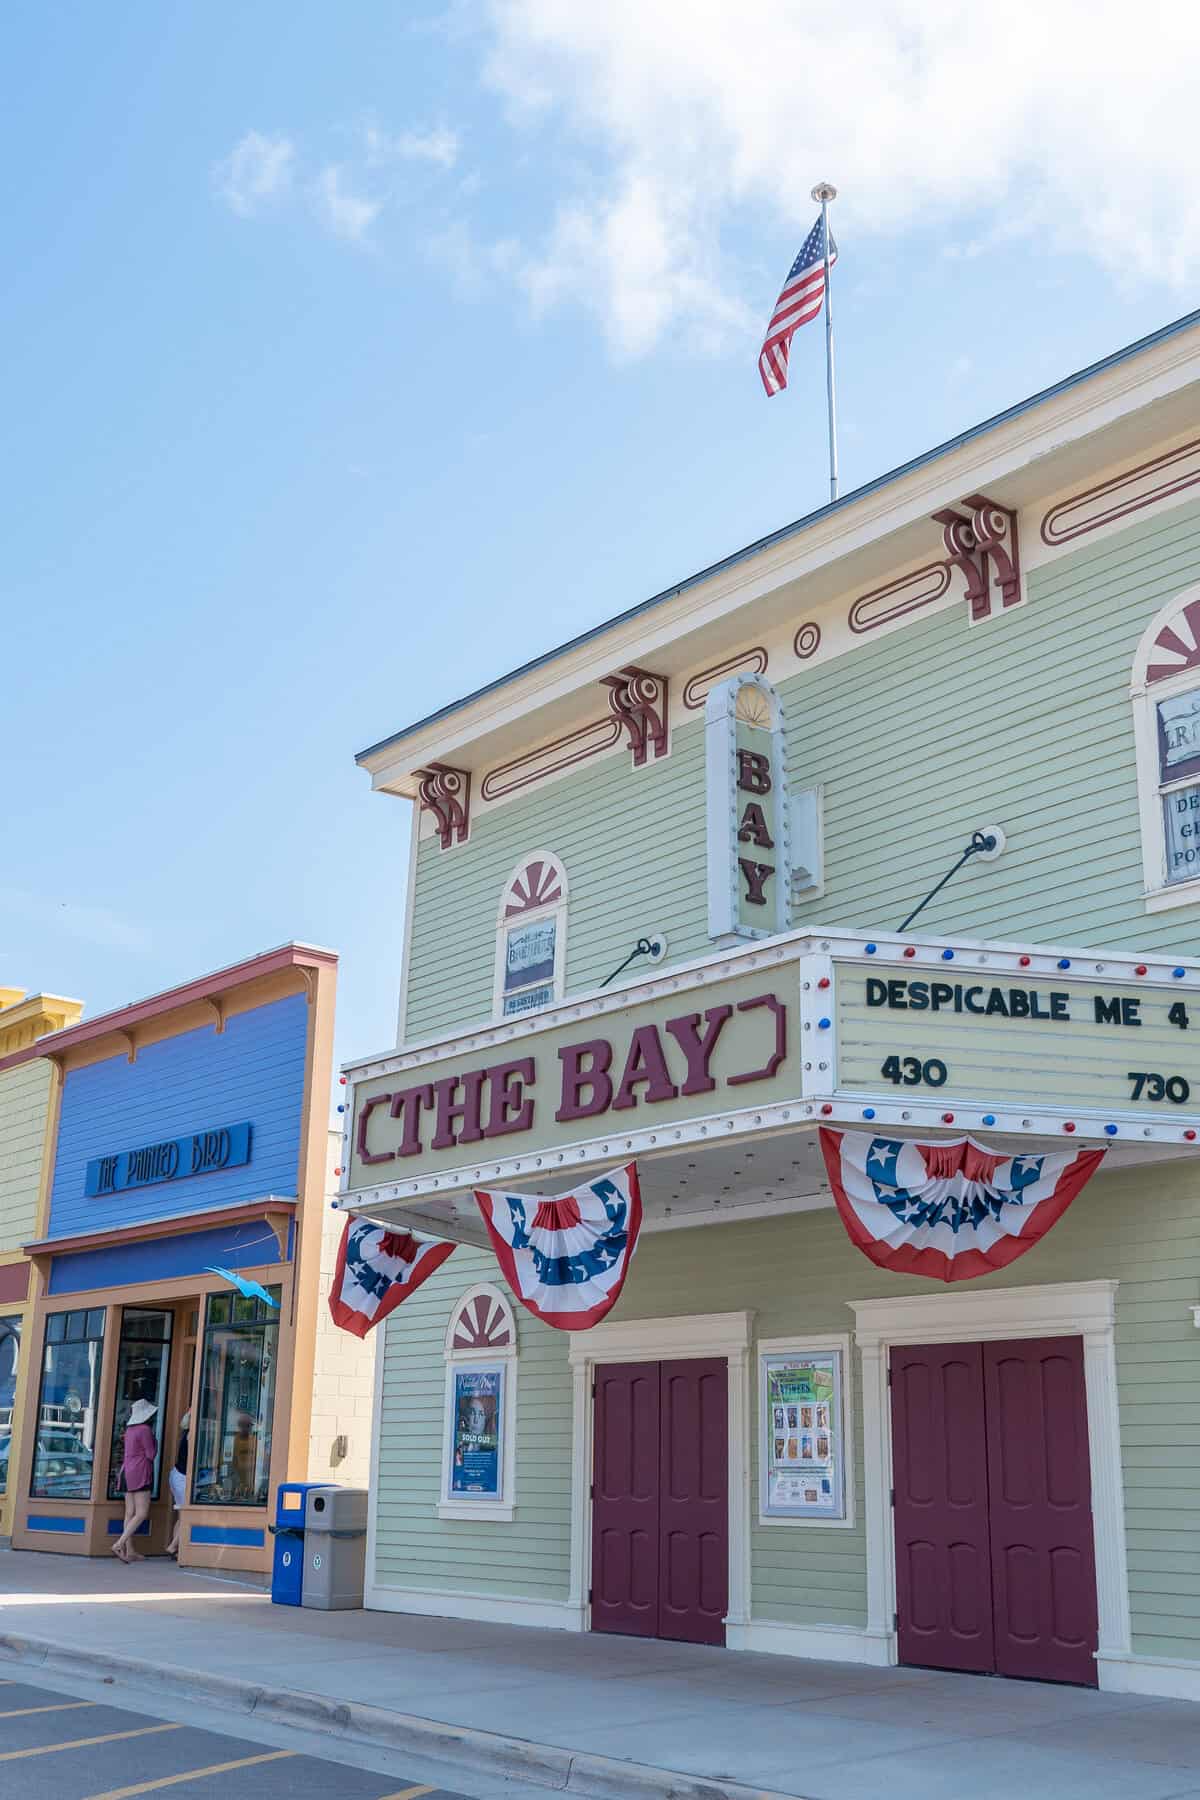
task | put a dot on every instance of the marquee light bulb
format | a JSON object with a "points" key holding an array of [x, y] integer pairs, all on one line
{"points": [[823, 1024], [871, 949], [909, 950], [1190, 1136], [1178, 974], [1111, 1130], [989, 1119], [1024, 961], [1064, 962], [824, 982], [1141, 969], [1068, 1125], [868, 1112], [947, 956], [827, 1108], [947, 1118]]}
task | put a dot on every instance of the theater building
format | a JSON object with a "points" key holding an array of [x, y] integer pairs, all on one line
{"points": [[905, 1366], [177, 1258]]}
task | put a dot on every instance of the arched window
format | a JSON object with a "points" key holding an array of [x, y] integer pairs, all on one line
{"points": [[531, 937], [479, 1450], [1166, 721]]}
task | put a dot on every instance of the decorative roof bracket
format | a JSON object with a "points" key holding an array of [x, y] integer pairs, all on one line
{"points": [[446, 793], [638, 700], [982, 544]]}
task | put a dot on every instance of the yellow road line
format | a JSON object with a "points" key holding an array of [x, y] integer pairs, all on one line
{"points": [[407, 1794], [243, 1762], [109, 1737], [23, 1712]]}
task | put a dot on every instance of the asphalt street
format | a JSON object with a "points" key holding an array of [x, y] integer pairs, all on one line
{"points": [[54, 1746]]}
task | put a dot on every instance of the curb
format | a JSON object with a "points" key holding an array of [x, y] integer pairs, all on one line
{"points": [[578, 1772]]}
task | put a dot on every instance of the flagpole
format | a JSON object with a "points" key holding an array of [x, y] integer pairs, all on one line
{"points": [[825, 192]]}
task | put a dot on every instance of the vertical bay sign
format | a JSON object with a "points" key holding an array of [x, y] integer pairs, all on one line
{"points": [[749, 860]]}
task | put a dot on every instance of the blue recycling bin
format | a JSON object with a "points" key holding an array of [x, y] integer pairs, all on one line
{"points": [[287, 1567]]}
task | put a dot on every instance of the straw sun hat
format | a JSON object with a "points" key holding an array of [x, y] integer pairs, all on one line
{"points": [[141, 1410]]}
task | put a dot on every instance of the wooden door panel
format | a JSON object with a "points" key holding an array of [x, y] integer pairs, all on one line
{"points": [[940, 1471], [694, 1523], [625, 1500], [1039, 1477]]}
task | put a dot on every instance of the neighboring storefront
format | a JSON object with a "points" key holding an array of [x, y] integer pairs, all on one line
{"points": [[26, 1105], [905, 1362], [179, 1257]]}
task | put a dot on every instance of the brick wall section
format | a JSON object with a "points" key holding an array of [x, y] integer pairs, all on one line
{"points": [[344, 1373]]}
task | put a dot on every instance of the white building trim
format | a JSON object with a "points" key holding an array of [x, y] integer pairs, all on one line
{"points": [[1080, 1308], [1161, 895], [665, 1340]]}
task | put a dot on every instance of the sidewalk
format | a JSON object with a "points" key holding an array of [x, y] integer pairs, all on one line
{"points": [[557, 1705]]}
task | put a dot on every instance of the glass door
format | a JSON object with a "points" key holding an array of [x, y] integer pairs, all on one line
{"points": [[143, 1364]]}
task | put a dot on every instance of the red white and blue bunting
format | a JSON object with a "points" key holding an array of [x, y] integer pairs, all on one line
{"points": [[566, 1259], [376, 1270], [947, 1211]]}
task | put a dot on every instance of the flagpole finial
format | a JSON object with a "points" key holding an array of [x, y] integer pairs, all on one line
{"points": [[824, 192]]}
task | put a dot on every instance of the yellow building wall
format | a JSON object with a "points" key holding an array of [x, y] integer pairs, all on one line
{"points": [[343, 1371], [26, 1092]]}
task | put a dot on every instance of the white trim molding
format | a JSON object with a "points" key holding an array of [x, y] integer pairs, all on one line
{"points": [[799, 1345], [1084, 1309], [828, 1643], [665, 1340], [1161, 895], [461, 1603], [539, 883], [485, 1510], [1165, 1677]]}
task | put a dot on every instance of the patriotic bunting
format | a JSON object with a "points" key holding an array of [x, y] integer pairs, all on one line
{"points": [[948, 1211], [566, 1259], [376, 1270]]}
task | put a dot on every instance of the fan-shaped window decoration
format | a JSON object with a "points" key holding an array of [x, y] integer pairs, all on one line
{"points": [[480, 1431], [1166, 720], [531, 935]]}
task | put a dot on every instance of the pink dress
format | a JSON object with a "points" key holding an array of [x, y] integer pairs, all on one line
{"points": [[141, 1448]]}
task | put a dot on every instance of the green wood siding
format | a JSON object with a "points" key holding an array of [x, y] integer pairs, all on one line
{"points": [[24, 1102], [918, 737], [1140, 1227]]}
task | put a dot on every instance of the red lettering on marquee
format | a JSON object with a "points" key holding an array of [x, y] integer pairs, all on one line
{"points": [[698, 1046], [645, 1064], [575, 1077]]}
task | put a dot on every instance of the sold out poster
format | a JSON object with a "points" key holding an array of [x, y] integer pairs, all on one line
{"points": [[476, 1467]]}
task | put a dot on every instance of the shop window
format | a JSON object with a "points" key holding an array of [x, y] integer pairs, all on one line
{"points": [[1166, 703], [143, 1363], [10, 1347], [232, 1460], [480, 1425], [72, 1360], [531, 934]]}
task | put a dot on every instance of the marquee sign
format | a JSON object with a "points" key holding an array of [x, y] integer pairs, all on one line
{"points": [[686, 1052], [903, 1034]]}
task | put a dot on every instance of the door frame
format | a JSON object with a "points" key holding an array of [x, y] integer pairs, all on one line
{"points": [[723, 1336], [1084, 1309]]}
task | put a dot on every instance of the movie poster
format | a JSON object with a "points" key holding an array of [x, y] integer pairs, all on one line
{"points": [[478, 1400], [802, 1436]]}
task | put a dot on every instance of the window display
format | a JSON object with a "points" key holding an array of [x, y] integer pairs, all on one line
{"points": [[143, 1362], [802, 1435], [65, 1450], [232, 1459], [10, 1345]]}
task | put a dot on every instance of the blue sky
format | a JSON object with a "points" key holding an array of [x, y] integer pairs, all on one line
{"points": [[356, 355]]}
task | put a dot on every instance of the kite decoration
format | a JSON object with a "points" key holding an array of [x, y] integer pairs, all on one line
{"points": [[947, 1211], [566, 1259], [376, 1270], [249, 1290]]}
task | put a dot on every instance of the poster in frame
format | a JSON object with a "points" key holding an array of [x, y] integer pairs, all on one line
{"points": [[804, 1438]]}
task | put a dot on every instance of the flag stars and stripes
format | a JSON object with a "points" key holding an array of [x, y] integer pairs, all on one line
{"points": [[800, 299]]}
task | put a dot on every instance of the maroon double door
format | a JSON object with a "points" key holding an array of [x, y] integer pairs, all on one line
{"points": [[660, 1500], [995, 1567]]}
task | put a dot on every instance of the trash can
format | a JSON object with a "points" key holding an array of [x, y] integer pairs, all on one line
{"points": [[335, 1548], [287, 1566]]}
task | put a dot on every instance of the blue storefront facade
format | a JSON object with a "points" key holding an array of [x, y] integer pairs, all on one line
{"points": [[177, 1259]]}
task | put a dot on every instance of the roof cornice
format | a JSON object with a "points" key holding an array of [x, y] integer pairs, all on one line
{"points": [[1069, 410]]}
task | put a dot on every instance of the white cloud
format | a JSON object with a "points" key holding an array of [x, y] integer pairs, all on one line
{"points": [[257, 170], [1055, 125], [439, 146], [346, 214]]}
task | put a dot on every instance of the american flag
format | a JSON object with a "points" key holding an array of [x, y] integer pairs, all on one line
{"points": [[800, 300]]}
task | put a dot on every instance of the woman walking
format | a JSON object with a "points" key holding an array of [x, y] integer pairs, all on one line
{"points": [[137, 1472]]}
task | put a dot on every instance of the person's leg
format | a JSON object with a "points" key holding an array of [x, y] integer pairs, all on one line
{"points": [[141, 1512], [119, 1548]]}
